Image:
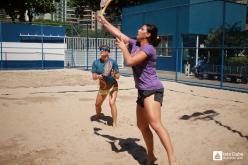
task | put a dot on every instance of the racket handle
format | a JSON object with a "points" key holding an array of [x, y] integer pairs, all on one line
{"points": [[103, 11], [105, 7]]}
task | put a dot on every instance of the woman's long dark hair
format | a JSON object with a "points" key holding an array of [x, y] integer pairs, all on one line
{"points": [[154, 39]]}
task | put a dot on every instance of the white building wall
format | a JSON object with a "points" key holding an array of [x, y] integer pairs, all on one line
{"points": [[33, 51]]}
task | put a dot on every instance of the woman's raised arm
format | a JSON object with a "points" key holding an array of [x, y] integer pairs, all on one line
{"points": [[111, 29]]}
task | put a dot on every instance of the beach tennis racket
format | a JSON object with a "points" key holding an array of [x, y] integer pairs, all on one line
{"points": [[107, 69], [104, 4]]}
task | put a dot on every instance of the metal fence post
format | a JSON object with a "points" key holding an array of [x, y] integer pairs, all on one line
{"points": [[177, 52], [87, 45], [96, 36], [65, 50], [116, 24], [223, 44], [1, 45], [1, 54], [72, 45], [42, 51], [181, 55]]}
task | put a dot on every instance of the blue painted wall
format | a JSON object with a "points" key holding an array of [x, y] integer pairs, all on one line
{"points": [[236, 13], [11, 32], [203, 17], [177, 17], [166, 17], [35, 64], [161, 13]]}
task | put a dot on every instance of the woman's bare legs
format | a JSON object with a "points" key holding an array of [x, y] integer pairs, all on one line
{"points": [[153, 114], [143, 125]]}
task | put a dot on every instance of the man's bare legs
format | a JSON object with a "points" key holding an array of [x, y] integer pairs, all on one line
{"points": [[98, 105], [112, 100]]}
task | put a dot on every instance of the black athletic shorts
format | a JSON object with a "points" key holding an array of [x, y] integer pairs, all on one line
{"points": [[142, 94]]}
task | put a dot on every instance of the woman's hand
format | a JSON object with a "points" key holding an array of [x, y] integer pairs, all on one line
{"points": [[121, 44], [111, 29], [101, 19]]}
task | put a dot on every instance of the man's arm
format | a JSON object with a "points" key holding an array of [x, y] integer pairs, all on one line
{"points": [[96, 76]]}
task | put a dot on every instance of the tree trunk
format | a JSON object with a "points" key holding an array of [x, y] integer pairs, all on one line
{"points": [[30, 16], [13, 17], [22, 15], [11, 13]]}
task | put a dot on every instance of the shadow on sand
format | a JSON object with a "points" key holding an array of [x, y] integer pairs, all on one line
{"points": [[209, 115], [103, 119], [121, 145]]}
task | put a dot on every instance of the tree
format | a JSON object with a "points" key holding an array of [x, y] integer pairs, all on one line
{"points": [[235, 43], [234, 37], [11, 7], [14, 8], [79, 6], [114, 9], [39, 7]]}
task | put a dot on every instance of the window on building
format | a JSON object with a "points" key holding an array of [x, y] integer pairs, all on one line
{"points": [[165, 46]]}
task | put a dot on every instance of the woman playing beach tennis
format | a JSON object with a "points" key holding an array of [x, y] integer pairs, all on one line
{"points": [[150, 90], [105, 69]]}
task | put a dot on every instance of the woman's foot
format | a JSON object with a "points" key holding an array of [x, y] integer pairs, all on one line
{"points": [[114, 124], [173, 162]]}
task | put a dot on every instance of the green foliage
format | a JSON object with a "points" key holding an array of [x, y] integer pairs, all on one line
{"points": [[235, 45], [11, 7], [49, 22], [234, 37], [114, 9], [14, 8], [239, 60]]}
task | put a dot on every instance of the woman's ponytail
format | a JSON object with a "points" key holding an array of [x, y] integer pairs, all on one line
{"points": [[154, 39]]}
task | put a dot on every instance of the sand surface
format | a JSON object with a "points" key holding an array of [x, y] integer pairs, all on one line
{"points": [[46, 118]]}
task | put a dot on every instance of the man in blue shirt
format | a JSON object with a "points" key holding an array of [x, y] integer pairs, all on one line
{"points": [[107, 83]]}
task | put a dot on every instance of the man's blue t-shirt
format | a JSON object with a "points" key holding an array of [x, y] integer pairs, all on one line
{"points": [[98, 67]]}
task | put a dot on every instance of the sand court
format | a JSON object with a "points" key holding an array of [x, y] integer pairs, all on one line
{"points": [[47, 117]]}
